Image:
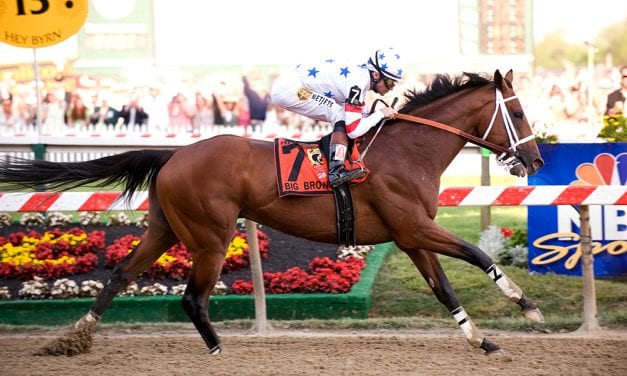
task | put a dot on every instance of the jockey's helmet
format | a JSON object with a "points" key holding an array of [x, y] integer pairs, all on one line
{"points": [[388, 62]]}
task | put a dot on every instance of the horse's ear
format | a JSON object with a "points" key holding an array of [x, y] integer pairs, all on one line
{"points": [[498, 80], [510, 75]]}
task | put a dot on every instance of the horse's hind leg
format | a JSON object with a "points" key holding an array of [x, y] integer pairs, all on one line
{"points": [[431, 269], [154, 243], [207, 240], [157, 239], [205, 272]]}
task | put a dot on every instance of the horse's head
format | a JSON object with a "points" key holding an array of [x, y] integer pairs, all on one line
{"points": [[508, 127]]}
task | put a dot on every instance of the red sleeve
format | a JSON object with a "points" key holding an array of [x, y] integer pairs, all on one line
{"points": [[353, 115]]}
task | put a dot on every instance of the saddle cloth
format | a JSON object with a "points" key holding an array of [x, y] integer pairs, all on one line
{"points": [[301, 167]]}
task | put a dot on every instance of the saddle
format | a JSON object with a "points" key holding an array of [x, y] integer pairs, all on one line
{"points": [[302, 170]]}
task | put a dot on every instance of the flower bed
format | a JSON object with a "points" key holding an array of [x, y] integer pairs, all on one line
{"points": [[88, 256], [327, 276], [52, 254]]}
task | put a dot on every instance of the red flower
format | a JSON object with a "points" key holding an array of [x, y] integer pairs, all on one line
{"points": [[506, 232], [327, 276], [180, 267], [240, 287]]}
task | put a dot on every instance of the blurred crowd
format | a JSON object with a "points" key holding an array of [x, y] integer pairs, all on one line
{"points": [[555, 103], [236, 106], [570, 105]]}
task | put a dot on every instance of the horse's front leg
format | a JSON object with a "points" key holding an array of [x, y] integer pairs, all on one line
{"points": [[431, 269], [528, 308], [434, 238]]}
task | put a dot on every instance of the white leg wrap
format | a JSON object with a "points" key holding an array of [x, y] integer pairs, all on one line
{"points": [[89, 320], [473, 335], [509, 288]]}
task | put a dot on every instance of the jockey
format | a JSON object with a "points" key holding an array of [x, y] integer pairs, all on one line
{"points": [[335, 92]]}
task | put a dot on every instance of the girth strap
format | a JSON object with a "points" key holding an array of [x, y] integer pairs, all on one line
{"points": [[345, 216]]}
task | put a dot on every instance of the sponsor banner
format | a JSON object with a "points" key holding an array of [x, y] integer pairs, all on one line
{"points": [[41, 23], [554, 243]]}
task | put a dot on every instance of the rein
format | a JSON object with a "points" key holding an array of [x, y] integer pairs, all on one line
{"points": [[506, 155], [474, 139]]}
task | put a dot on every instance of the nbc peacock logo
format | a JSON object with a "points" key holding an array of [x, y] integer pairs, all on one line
{"points": [[606, 169]]}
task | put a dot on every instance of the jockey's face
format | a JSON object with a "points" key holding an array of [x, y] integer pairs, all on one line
{"points": [[383, 84]]}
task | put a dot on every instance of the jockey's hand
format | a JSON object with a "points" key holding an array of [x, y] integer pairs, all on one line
{"points": [[389, 112]]}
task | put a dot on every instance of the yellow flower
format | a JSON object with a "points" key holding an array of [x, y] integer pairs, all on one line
{"points": [[24, 253], [236, 247], [165, 259]]}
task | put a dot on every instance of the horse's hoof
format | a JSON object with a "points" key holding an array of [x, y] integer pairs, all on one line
{"points": [[533, 314], [490, 348], [215, 350]]}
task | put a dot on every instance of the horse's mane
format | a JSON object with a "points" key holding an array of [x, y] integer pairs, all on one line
{"points": [[442, 86]]}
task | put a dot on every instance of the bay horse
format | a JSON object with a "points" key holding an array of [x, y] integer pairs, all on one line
{"points": [[197, 193]]}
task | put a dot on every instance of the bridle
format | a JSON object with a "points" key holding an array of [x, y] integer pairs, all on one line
{"points": [[505, 156], [514, 140]]}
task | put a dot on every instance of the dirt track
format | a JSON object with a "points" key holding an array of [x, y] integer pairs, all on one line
{"points": [[182, 352]]}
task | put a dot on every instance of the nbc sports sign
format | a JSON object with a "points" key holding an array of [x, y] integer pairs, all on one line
{"points": [[554, 243]]}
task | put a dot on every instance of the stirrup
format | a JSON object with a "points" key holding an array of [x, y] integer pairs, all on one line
{"points": [[346, 177]]}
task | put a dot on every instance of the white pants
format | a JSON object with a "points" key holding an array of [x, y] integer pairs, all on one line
{"points": [[289, 92]]}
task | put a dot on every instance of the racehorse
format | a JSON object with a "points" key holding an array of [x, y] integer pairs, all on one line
{"points": [[197, 193]]}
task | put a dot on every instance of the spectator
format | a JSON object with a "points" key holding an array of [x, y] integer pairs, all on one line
{"points": [[557, 105], [26, 112], [133, 116], [229, 106], [104, 116], [180, 113], [53, 113], [616, 99], [575, 103], [77, 114], [203, 118], [157, 107], [258, 101], [10, 122], [218, 119], [243, 113]]}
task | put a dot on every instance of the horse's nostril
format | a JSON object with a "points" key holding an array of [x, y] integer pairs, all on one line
{"points": [[538, 163]]}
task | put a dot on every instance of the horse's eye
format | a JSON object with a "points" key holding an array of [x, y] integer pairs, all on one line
{"points": [[518, 115]]}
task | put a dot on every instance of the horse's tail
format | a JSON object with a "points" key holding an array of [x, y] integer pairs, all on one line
{"points": [[133, 169]]}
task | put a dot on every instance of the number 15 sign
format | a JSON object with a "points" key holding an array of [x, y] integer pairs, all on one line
{"points": [[40, 23]]}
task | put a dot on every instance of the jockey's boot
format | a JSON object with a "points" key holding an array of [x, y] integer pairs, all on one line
{"points": [[338, 174]]}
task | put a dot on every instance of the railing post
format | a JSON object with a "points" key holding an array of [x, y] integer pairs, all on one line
{"points": [[261, 320], [40, 155], [486, 214], [40, 151], [590, 322]]}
